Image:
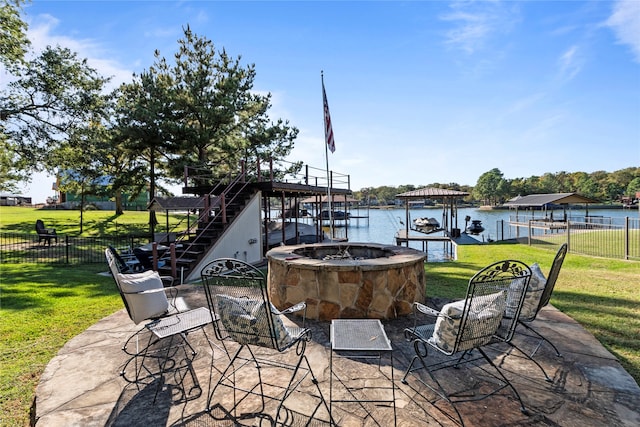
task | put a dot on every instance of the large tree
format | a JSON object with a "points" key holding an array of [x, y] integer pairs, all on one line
{"points": [[206, 112], [491, 187], [54, 94], [144, 122], [13, 34], [199, 111]]}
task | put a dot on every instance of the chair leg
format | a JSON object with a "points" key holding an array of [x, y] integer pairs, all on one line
{"points": [[228, 379], [421, 353], [293, 385], [523, 409], [542, 339], [546, 377], [138, 358]]}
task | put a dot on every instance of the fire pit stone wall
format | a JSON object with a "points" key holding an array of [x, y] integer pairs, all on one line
{"points": [[347, 280]]}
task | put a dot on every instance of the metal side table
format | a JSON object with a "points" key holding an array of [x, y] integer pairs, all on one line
{"points": [[179, 324], [360, 339]]}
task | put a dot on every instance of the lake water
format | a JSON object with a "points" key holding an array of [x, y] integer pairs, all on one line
{"points": [[383, 224]]}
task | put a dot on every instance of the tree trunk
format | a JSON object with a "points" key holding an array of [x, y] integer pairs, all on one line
{"points": [[119, 209], [81, 206], [152, 190]]}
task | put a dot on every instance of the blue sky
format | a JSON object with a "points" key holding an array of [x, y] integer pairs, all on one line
{"points": [[419, 91]]}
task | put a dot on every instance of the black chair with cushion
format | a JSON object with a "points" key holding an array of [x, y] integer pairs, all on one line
{"points": [[145, 259], [463, 327], [168, 321], [265, 368]]}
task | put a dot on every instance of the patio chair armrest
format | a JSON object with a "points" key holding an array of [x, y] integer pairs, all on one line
{"points": [[145, 292], [425, 310], [171, 291], [294, 308]]}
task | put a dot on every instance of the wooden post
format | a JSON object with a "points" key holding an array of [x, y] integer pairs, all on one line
{"points": [[172, 251], [223, 206], [258, 171], [154, 252]]}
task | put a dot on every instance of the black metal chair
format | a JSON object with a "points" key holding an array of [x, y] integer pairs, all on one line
{"points": [[538, 297], [45, 234], [145, 300], [466, 325], [237, 294]]}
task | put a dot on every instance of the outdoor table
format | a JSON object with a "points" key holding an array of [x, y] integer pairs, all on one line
{"points": [[149, 247], [360, 339]]}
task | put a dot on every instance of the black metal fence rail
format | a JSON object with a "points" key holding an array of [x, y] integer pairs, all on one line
{"points": [[596, 237], [25, 248]]}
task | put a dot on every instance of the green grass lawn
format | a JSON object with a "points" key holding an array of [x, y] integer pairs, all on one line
{"points": [[43, 306], [602, 294], [94, 223]]}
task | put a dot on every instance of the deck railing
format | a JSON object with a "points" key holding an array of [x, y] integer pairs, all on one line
{"points": [[280, 170]]}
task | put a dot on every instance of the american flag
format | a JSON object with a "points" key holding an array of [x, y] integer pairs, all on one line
{"points": [[328, 130]]}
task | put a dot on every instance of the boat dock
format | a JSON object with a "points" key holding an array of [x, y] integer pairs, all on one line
{"points": [[449, 243]]}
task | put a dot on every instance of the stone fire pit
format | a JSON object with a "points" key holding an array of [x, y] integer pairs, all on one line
{"points": [[347, 280]]}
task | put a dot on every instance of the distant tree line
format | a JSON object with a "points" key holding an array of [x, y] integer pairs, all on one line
{"points": [[492, 188]]}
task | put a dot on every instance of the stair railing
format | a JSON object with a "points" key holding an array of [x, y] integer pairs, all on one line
{"points": [[224, 198]]}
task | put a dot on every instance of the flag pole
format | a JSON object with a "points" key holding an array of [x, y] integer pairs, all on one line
{"points": [[326, 157]]}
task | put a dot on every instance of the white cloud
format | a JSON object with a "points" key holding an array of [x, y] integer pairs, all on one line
{"points": [[570, 62], [526, 103], [42, 34], [476, 22], [625, 23]]}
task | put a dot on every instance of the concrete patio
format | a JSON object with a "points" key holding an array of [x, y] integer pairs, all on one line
{"points": [[81, 386]]}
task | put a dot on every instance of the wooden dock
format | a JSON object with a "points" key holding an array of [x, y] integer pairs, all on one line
{"points": [[464, 239], [402, 237], [450, 243]]}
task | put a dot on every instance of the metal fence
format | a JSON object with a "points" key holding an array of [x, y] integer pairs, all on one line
{"points": [[605, 237], [596, 236], [25, 248]]}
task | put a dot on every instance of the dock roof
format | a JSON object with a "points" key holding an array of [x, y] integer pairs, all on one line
{"points": [[546, 199], [431, 192], [176, 203]]}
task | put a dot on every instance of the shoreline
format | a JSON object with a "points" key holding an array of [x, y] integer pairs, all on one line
{"points": [[497, 208]]}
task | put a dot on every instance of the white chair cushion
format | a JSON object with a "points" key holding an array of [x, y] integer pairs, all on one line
{"points": [[145, 295], [245, 321], [532, 296], [487, 310]]}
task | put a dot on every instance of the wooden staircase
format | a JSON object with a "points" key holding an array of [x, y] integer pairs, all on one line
{"points": [[222, 207]]}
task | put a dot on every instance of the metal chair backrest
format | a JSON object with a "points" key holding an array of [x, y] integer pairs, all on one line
{"points": [[112, 260], [553, 277], [119, 261], [143, 294], [237, 293], [510, 279]]}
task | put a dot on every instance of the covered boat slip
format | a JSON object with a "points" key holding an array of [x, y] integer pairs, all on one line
{"points": [[290, 199], [526, 207], [449, 228]]}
